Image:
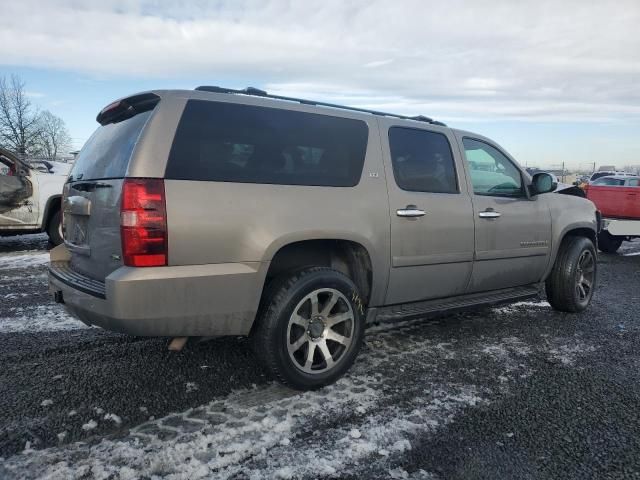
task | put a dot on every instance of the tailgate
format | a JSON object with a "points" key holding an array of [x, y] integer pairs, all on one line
{"points": [[616, 202], [92, 196], [91, 226]]}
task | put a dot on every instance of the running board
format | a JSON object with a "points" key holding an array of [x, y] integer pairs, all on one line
{"points": [[430, 308]]}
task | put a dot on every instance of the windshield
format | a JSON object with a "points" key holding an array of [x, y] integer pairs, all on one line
{"points": [[106, 154]]}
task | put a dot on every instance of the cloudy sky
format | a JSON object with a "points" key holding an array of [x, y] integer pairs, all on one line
{"points": [[551, 81]]}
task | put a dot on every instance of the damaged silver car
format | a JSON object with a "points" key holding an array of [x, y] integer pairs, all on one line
{"points": [[30, 197]]}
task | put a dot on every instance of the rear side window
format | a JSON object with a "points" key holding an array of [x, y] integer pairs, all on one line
{"points": [[422, 161], [227, 142], [106, 154], [612, 182]]}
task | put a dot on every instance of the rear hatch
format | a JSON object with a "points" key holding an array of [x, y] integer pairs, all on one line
{"points": [[92, 194]]}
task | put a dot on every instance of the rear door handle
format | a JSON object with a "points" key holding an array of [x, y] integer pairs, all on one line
{"points": [[410, 211], [489, 214]]}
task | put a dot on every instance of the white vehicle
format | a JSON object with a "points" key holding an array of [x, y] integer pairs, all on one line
{"points": [[609, 173], [30, 196]]}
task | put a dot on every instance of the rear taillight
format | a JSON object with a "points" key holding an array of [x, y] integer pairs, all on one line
{"points": [[143, 223]]}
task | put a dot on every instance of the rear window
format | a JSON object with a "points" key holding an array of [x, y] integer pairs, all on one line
{"points": [[614, 182], [106, 154], [228, 142], [597, 175]]}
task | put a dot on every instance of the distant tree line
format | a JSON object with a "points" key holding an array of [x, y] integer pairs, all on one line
{"points": [[27, 130]]}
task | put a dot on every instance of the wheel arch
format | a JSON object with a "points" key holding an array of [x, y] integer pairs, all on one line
{"points": [[348, 256], [582, 229], [54, 203]]}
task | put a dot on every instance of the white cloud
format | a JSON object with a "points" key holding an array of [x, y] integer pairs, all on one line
{"points": [[541, 60]]}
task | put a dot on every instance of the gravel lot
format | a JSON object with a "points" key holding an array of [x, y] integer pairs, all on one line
{"points": [[515, 391]]}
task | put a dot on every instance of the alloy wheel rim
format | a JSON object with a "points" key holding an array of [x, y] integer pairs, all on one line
{"points": [[585, 274], [320, 331]]}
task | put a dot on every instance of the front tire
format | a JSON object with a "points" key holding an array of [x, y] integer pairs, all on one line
{"points": [[54, 228], [608, 243], [572, 281], [310, 327]]}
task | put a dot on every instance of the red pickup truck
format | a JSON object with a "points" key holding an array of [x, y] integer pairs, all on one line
{"points": [[618, 199]]}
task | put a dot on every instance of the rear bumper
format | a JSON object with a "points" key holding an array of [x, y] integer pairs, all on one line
{"points": [[198, 300], [623, 228]]}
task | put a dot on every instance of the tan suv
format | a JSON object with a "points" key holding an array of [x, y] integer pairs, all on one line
{"points": [[224, 212]]}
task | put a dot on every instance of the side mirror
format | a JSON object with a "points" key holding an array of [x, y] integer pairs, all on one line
{"points": [[542, 183]]}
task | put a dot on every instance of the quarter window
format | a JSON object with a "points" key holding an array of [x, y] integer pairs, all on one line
{"points": [[422, 161], [492, 173], [228, 142]]}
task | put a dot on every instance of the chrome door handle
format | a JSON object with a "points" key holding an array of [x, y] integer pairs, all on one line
{"points": [[489, 214], [410, 211]]}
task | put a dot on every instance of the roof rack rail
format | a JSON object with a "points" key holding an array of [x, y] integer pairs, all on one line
{"points": [[261, 93]]}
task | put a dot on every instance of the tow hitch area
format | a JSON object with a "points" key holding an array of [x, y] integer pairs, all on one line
{"points": [[57, 296]]}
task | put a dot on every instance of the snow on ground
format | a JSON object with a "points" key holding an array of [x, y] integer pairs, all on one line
{"points": [[23, 260], [630, 249], [17, 243], [41, 318], [518, 306], [274, 432], [567, 354]]}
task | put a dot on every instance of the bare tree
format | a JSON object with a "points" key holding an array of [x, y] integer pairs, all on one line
{"points": [[54, 136], [19, 120]]}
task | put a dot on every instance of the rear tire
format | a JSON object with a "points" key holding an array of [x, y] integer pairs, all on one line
{"points": [[608, 243], [572, 281], [54, 228], [310, 327]]}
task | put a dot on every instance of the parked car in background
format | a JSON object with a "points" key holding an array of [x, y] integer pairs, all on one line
{"points": [[608, 173], [618, 181], [30, 196], [618, 199], [224, 212]]}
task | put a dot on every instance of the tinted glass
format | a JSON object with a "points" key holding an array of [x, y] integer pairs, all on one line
{"points": [[106, 154], [422, 161], [492, 173], [614, 182], [597, 175], [228, 142], [634, 182]]}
